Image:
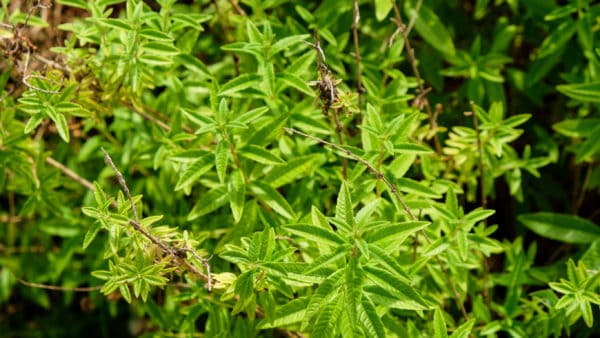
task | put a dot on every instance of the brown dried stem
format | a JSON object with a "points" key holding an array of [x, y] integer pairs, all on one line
{"points": [[174, 252], [378, 174], [59, 288]]}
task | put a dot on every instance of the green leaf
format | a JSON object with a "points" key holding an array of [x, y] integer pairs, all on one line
{"points": [[260, 155], [33, 122], [431, 29], [194, 171], [370, 319], [160, 49], [323, 261], [343, 208], [155, 34], [296, 82], [329, 286], [62, 127], [584, 92], [91, 234], [577, 127], [273, 199], [561, 227], [296, 168], [209, 202], [240, 83], [315, 233], [119, 24], [396, 233], [589, 147], [237, 195], [287, 42], [406, 293], [439, 325], [559, 37], [221, 158], [411, 148], [414, 187], [288, 314], [478, 215], [464, 331], [251, 115], [382, 9]]}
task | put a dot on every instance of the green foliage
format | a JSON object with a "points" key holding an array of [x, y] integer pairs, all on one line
{"points": [[305, 168]]}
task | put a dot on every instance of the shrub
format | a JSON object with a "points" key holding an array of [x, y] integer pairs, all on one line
{"points": [[355, 168]]}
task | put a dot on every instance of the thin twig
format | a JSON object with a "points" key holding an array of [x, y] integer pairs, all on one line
{"points": [[366, 163], [68, 172], [124, 187], [59, 288], [174, 252], [480, 152], [237, 7], [403, 29], [359, 85], [27, 77]]}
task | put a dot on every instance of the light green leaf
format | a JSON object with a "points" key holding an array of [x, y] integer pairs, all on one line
{"points": [[464, 331], [396, 233], [382, 9], [296, 82], [62, 127], [315, 233], [577, 127], [288, 314], [240, 83], [221, 159], [414, 187], [295, 169], [411, 148], [327, 287], [406, 293], [287, 42], [439, 324], [561, 227], [584, 92], [343, 208], [237, 195], [370, 319]]}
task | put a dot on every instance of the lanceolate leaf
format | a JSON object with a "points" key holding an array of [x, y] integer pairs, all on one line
{"points": [[195, 171], [396, 233], [327, 318], [293, 170], [240, 83], [237, 195], [288, 314], [210, 201], [343, 208], [439, 325], [404, 291], [431, 28], [260, 155], [323, 292], [273, 199], [323, 261], [561, 227], [221, 159], [315, 233], [369, 318]]}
